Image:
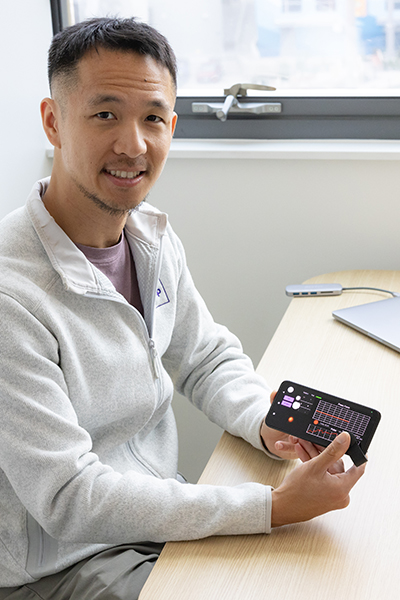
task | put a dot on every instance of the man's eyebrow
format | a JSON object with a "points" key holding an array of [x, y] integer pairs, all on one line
{"points": [[108, 98], [159, 104], [103, 99]]}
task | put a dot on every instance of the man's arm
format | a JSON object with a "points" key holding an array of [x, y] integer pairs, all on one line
{"points": [[206, 362]]}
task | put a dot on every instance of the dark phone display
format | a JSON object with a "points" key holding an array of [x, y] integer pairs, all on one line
{"points": [[318, 417]]}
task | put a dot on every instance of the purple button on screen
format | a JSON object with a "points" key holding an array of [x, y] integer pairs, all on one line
{"points": [[288, 398], [289, 404]]}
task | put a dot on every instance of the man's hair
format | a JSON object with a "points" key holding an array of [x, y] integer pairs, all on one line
{"points": [[125, 35]]}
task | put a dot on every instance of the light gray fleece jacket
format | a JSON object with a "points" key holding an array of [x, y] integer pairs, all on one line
{"points": [[88, 445]]}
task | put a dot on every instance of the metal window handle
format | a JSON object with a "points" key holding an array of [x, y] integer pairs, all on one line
{"points": [[231, 102], [240, 89], [222, 113]]}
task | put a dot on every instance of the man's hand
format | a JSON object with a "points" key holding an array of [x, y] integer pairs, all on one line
{"points": [[278, 443], [286, 446], [317, 486]]}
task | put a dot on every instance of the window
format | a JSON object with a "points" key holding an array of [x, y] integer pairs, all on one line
{"points": [[335, 64], [326, 5], [291, 6]]}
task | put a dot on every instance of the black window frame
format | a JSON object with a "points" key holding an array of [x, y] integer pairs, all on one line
{"points": [[302, 117]]}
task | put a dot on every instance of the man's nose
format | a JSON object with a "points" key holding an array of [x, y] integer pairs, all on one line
{"points": [[130, 141]]}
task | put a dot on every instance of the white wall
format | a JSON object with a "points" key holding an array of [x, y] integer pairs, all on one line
{"points": [[250, 227], [25, 37]]}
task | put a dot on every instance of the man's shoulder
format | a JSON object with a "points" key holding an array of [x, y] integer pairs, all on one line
{"points": [[23, 262], [17, 225], [15, 229]]}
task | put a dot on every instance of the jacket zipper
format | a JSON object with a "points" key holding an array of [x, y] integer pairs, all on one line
{"points": [[154, 356], [152, 345], [42, 549]]}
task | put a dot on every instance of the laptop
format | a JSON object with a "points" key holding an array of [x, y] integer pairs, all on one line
{"points": [[379, 320]]}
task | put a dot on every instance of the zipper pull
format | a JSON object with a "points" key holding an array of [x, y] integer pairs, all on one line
{"points": [[154, 357]]}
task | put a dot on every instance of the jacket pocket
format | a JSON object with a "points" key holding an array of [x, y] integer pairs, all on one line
{"points": [[42, 550]]}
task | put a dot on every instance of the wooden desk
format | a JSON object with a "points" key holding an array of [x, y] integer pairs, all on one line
{"points": [[353, 553]]}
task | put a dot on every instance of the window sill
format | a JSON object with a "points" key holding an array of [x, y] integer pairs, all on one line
{"points": [[287, 149], [283, 149]]}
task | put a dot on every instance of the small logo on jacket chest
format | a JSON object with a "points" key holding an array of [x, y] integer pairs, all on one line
{"points": [[162, 296]]}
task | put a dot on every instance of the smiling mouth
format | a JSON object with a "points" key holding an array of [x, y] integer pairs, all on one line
{"points": [[124, 174]]}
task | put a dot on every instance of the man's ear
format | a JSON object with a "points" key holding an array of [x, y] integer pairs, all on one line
{"points": [[173, 124], [50, 112]]}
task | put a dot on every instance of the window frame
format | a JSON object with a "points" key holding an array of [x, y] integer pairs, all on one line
{"points": [[57, 14], [311, 117], [301, 118]]}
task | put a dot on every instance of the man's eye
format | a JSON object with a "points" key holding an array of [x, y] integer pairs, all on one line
{"points": [[105, 115], [154, 119]]}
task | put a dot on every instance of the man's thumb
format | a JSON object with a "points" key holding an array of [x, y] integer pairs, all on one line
{"points": [[335, 450]]}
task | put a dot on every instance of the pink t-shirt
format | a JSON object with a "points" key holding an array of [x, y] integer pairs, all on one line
{"points": [[118, 265]]}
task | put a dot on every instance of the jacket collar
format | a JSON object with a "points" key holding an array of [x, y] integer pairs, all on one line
{"points": [[77, 273]]}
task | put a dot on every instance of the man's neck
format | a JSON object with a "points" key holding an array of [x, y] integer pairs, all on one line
{"points": [[94, 228]]}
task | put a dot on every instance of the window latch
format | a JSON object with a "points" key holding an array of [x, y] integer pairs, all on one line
{"points": [[232, 104]]}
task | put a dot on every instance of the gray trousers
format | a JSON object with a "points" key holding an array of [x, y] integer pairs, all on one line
{"points": [[118, 573]]}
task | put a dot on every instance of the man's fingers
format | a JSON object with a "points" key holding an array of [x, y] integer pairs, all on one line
{"points": [[333, 452], [302, 453], [307, 450], [354, 474]]}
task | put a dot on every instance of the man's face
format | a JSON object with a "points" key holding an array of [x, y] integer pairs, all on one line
{"points": [[114, 129]]}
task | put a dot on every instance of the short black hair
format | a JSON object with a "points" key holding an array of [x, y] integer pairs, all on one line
{"points": [[126, 35]]}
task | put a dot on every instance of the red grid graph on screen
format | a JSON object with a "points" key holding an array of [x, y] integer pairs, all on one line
{"points": [[341, 417]]}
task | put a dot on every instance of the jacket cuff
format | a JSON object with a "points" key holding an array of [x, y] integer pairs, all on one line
{"points": [[266, 451], [268, 509]]}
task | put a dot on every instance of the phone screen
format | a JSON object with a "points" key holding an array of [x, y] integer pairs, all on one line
{"points": [[319, 417]]}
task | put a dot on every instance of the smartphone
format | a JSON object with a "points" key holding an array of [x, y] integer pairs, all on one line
{"points": [[319, 418]]}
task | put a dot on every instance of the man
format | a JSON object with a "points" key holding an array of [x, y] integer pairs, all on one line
{"points": [[100, 320]]}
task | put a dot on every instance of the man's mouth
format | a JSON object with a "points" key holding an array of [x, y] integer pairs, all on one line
{"points": [[124, 174]]}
